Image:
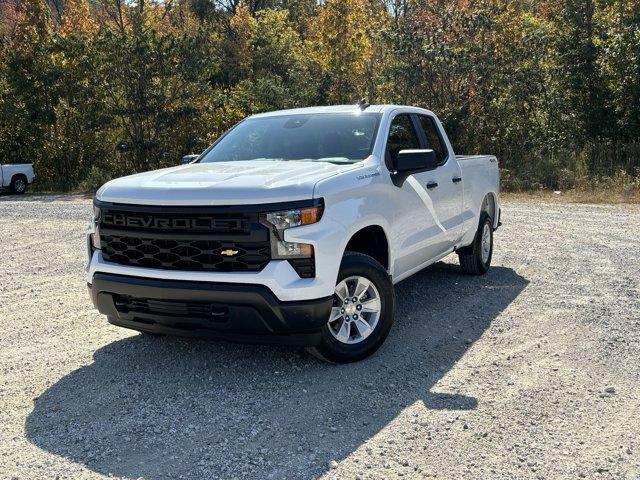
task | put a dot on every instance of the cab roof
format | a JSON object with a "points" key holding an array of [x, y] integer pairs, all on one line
{"points": [[332, 109]]}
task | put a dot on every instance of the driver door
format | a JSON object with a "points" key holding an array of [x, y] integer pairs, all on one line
{"points": [[419, 236]]}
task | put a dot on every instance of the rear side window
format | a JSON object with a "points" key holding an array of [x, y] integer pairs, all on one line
{"points": [[434, 142], [402, 136]]}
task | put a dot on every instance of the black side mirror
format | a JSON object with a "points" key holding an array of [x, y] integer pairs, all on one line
{"points": [[189, 158], [409, 162]]}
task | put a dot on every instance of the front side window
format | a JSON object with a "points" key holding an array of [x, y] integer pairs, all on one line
{"points": [[336, 138], [434, 142], [402, 136]]}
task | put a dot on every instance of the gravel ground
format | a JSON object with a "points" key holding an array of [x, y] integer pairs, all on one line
{"points": [[528, 372]]}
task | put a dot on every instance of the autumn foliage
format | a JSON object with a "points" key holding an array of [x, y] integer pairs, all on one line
{"points": [[93, 89]]}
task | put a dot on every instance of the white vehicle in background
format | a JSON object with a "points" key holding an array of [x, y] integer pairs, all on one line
{"points": [[17, 177], [292, 227]]}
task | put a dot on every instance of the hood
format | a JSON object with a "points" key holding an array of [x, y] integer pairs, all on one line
{"points": [[222, 183]]}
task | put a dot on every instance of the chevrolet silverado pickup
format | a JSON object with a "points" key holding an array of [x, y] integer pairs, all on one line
{"points": [[292, 227], [16, 177]]}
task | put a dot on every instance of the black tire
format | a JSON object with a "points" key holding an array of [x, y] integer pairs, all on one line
{"points": [[471, 261], [18, 184], [332, 350]]}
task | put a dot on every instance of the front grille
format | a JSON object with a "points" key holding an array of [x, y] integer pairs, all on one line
{"points": [[179, 222], [215, 239], [185, 254]]}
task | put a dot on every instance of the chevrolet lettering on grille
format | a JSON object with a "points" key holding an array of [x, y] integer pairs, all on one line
{"points": [[171, 223]]}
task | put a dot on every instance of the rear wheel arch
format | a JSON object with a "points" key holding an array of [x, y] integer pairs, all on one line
{"points": [[490, 206]]}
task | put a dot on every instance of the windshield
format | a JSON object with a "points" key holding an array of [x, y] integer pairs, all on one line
{"points": [[336, 138]]}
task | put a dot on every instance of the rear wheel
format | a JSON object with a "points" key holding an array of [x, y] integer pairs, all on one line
{"points": [[476, 258], [19, 184], [362, 312]]}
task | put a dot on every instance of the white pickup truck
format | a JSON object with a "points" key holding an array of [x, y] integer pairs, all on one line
{"points": [[16, 177], [292, 227]]}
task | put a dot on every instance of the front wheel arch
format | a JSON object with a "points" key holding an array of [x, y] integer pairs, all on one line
{"points": [[372, 241]]}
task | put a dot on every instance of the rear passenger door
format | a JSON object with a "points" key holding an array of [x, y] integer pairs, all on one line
{"points": [[414, 227], [444, 184]]}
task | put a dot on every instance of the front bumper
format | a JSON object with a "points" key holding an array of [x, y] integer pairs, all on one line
{"points": [[230, 311]]}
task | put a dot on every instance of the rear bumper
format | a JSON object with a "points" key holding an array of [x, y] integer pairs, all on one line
{"points": [[235, 312]]}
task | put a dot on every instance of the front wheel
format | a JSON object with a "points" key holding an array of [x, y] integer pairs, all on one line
{"points": [[362, 312]]}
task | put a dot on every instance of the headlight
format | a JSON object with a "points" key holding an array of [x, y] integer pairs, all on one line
{"points": [[94, 237], [280, 221], [294, 218]]}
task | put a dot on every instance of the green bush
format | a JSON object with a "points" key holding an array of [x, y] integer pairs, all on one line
{"points": [[96, 178]]}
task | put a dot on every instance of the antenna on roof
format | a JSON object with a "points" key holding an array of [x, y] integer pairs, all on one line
{"points": [[362, 104]]}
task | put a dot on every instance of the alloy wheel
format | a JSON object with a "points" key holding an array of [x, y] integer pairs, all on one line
{"points": [[356, 310]]}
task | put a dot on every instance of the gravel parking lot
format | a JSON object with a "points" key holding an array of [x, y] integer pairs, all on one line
{"points": [[531, 371]]}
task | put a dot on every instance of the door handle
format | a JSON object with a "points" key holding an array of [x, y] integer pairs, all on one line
{"points": [[456, 179], [432, 185]]}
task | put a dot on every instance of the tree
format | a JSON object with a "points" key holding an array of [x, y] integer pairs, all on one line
{"points": [[98, 89], [155, 75], [30, 91], [344, 48]]}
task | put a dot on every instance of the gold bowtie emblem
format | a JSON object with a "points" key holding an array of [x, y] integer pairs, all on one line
{"points": [[228, 252]]}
